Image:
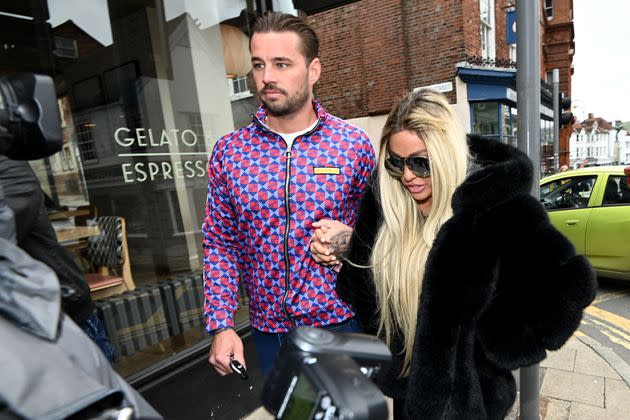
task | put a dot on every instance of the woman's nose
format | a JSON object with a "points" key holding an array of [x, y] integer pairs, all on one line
{"points": [[407, 174]]}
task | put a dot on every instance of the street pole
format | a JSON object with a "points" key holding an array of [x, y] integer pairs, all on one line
{"points": [[556, 119], [528, 102]]}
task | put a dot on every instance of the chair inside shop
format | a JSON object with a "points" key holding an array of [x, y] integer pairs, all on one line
{"points": [[109, 271]]}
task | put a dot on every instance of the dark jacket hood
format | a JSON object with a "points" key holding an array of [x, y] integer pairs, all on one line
{"points": [[497, 174]]}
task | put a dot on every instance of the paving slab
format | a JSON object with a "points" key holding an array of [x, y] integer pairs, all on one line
{"points": [[618, 395], [557, 409], [575, 343], [570, 386], [590, 363], [588, 412], [563, 359]]}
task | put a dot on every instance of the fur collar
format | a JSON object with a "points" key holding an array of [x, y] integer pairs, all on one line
{"points": [[498, 173]]}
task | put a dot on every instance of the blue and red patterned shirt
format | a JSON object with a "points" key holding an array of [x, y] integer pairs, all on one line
{"points": [[262, 200]]}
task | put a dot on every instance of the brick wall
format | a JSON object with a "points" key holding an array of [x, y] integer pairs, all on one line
{"points": [[436, 38], [557, 43], [85, 43], [363, 57], [373, 51]]}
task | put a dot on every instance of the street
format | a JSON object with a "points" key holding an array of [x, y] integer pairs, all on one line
{"points": [[607, 320]]}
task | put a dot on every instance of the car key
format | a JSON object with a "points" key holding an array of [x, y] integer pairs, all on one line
{"points": [[238, 368]]}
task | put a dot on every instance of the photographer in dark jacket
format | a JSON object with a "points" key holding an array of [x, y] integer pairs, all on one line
{"points": [[456, 266], [36, 236]]}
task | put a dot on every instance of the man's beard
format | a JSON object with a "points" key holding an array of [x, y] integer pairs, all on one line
{"points": [[287, 105]]}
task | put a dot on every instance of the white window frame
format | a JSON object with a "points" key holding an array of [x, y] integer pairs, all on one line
{"points": [[242, 91], [487, 29], [549, 9], [66, 47]]}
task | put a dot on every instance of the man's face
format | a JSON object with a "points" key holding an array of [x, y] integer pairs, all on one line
{"points": [[284, 80]]}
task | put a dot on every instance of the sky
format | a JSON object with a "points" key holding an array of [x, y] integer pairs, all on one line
{"points": [[601, 78]]}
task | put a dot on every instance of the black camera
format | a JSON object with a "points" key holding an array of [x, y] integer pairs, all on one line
{"points": [[323, 375], [29, 117]]}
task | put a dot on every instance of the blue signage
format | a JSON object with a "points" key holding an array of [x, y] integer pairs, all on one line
{"points": [[510, 32]]}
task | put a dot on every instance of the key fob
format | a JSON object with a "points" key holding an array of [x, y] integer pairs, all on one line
{"points": [[239, 368]]}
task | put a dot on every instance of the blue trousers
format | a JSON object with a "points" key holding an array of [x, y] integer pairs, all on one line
{"points": [[268, 344], [94, 329]]}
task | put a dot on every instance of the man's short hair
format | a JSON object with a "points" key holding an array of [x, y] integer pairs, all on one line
{"points": [[283, 22]]}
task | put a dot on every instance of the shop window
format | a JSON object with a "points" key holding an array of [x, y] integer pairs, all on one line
{"points": [[485, 119]]}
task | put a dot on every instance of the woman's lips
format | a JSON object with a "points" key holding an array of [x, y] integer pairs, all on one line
{"points": [[414, 189]]}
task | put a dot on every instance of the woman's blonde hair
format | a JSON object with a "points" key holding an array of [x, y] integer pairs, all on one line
{"points": [[405, 237]]}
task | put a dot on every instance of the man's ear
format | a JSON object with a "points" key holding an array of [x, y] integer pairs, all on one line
{"points": [[315, 70]]}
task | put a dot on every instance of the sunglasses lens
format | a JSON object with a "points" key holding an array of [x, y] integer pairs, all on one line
{"points": [[419, 165], [394, 166]]}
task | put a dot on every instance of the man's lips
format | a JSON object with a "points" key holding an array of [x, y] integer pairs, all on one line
{"points": [[272, 92]]}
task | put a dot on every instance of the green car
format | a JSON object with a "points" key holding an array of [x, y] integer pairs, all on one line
{"points": [[591, 207]]}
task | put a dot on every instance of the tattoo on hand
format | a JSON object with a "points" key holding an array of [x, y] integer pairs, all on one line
{"points": [[340, 243]]}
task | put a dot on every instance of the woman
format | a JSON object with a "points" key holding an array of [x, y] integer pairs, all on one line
{"points": [[456, 266]]}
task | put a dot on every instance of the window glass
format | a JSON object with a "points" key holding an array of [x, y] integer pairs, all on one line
{"points": [[485, 117], [144, 92], [567, 193], [616, 191], [549, 9], [486, 15]]}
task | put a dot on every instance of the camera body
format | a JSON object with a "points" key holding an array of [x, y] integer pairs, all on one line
{"points": [[29, 117], [323, 375]]}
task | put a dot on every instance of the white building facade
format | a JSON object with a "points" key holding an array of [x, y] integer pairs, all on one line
{"points": [[595, 141]]}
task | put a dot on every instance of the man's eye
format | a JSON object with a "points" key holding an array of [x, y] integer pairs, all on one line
{"points": [[258, 66], [282, 65]]}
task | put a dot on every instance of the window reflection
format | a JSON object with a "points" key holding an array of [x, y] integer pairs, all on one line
{"points": [[145, 88]]}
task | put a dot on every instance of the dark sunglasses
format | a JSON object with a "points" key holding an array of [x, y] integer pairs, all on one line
{"points": [[419, 165]]}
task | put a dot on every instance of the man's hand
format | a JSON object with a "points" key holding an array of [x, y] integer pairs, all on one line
{"points": [[329, 242], [226, 344]]}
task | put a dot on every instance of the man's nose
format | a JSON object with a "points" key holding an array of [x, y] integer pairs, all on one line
{"points": [[269, 75]]}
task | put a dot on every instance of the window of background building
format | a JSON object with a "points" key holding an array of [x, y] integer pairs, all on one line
{"points": [[239, 85], [142, 94], [486, 14], [549, 9]]}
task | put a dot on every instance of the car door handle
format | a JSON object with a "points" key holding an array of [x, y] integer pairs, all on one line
{"points": [[572, 222]]}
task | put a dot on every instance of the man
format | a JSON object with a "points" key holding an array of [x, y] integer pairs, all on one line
{"points": [[294, 170]]}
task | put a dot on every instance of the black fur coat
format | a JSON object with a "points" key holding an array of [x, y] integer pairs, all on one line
{"points": [[501, 287]]}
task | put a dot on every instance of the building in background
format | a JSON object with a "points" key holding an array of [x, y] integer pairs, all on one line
{"points": [[596, 141], [373, 51]]}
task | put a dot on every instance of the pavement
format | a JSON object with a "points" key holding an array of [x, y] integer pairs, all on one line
{"points": [[582, 381]]}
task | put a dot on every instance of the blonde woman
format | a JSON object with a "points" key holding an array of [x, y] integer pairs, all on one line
{"points": [[455, 265]]}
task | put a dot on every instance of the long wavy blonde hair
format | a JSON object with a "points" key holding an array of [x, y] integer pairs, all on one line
{"points": [[405, 237]]}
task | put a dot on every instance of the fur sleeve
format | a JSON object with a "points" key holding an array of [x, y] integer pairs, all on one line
{"points": [[542, 288], [355, 284]]}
